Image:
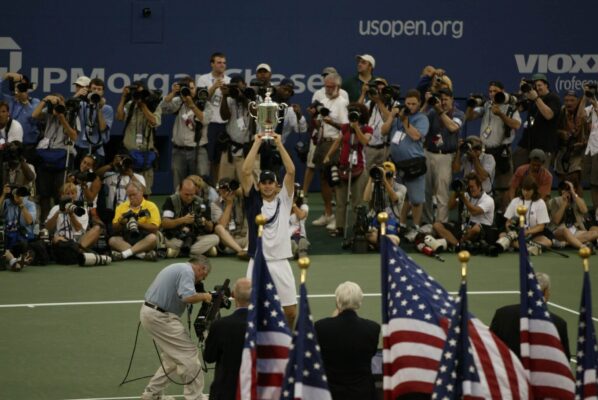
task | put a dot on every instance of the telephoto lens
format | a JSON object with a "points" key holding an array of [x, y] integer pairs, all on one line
{"points": [[92, 259]]}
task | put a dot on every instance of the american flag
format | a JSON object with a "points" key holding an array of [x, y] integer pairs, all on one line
{"points": [[458, 376], [415, 310], [542, 353], [587, 364], [267, 339], [305, 377]]}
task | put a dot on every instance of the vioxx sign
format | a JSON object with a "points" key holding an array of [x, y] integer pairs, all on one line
{"points": [[557, 63]]}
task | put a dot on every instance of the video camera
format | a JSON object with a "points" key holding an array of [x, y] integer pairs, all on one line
{"points": [[67, 205], [209, 312]]}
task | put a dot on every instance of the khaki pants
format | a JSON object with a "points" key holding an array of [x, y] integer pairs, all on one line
{"points": [[179, 354], [438, 181], [230, 170], [202, 244]]}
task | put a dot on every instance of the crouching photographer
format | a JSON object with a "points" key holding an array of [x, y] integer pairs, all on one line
{"points": [[299, 213], [474, 220], [68, 222], [16, 170], [186, 223], [384, 193], [18, 213], [135, 224], [227, 215]]}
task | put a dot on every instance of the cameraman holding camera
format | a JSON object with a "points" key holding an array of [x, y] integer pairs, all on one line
{"points": [[567, 217], [10, 129], [95, 119], [479, 209], [171, 292], [186, 131], [139, 108], [135, 224], [16, 170], [470, 157], [365, 69], [54, 149], [19, 214], [292, 119], [186, 222], [227, 216], [68, 221], [500, 121], [590, 160], [379, 104], [441, 143], [299, 213]]}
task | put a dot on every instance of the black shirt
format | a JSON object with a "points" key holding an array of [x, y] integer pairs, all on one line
{"points": [[542, 134]]}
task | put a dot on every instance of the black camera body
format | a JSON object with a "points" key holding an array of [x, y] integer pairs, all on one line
{"points": [[433, 100], [125, 164], [209, 312], [230, 186], [354, 115], [184, 90], [320, 109], [85, 176], [20, 191], [372, 89], [376, 174], [391, 92], [66, 204], [475, 100], [526, 85], [132, 225], [404, 109], [459, 185], [465, 147]]}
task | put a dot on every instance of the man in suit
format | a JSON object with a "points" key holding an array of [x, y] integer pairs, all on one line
{"points": [[505, 323], [224, 344], [348, 344]]}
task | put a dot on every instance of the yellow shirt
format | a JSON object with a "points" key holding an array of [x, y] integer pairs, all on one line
{"points": [[123, 208]]}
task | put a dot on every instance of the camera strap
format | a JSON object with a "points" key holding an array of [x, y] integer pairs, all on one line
{"points": [[7, 129]]}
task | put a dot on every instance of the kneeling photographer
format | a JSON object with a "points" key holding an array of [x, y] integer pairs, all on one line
{"points": [[16, 170], [135, 224], [227, 215], [475, 217], [470, 157], [171, 292], [384, 193], [68, 222], [18, 213], [186, 223]]}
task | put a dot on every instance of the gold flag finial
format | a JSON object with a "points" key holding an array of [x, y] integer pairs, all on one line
{"points": [[382, 218], [464, 258], [521, 210], [303, 263], [585, 254], [260, 220]]}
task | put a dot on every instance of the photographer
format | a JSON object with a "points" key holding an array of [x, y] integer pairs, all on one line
{"points": [[354, 137], [10, 130], [227, 216], [478, 207], [19, 214], [540, 129], [234, 109], [365, 69], [135, 224], [299, 213], [21, 107], [68, 222], [186, 223], [536, 219], [186, 131], [95, 119], [384, 193], [499, 123], [166, 299], [139, 109], [441, 143], [537, 170], [52, 149], [16, 170], [430, 82], [292, 119], [381, 100], [590, 160], [407, 129], [327, 117], [470, 157], [567, 217]]}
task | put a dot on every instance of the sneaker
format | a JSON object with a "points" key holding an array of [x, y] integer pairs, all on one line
{"points": [[323, 220], [116, 255], [410, 236], [557, 244], [150, 256], [331, 225], [533, 250]]}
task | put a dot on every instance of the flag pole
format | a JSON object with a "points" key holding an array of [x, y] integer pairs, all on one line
{"points": [[303, 263], [382, 218], [464, 258], [585, 253], [260, 220], [521, 210]]}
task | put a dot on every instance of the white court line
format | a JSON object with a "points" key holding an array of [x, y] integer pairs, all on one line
{"points": [[97, 303], [120, 398]]}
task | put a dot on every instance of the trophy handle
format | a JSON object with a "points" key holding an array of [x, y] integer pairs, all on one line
{"points": [[252, 105], [282, 106]]}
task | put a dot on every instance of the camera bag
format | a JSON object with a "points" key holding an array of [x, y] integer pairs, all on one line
{"points": [[412, 168]]}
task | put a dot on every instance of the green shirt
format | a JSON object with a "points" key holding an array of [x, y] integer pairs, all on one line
{"points": [[353, 87]]}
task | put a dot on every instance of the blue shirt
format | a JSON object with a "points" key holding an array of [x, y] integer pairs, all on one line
{"points": [[171, 286], [440, 138], [13, 217], [22, 113], [88, 128], [402, 147]]}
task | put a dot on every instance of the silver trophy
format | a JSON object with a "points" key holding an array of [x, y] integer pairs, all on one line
{"points": [[266, 114]]}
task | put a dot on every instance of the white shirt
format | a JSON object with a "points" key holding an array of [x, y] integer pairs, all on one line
{"points": [[117, 189], [486, 203], [489, 165], [338, 113], [297, 226], [212, 111], [290, 124], [321, 94], [592, 147], [537, 213], [14, 133], [64, 227], [276, 235]]}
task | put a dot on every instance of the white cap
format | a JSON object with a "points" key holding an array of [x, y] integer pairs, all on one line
{"points": [[82, 81], [367, 58], [263, 66]]}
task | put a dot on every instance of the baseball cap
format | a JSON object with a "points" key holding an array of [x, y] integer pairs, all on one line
{"points": [[287, 82], [572, 93], [329, 70], [266, 175], [539, 77], [236, 78], [389, 166], [381, 80], [537, 154], [367, 58], [474, 140], [263, 66], [82, 81]]}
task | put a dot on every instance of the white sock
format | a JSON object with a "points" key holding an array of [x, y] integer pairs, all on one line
{"points": [[127, 253], [140, 255], [12, 262]]}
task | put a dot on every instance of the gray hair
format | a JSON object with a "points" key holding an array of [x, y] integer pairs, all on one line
{"points": [[348, 296], [201, 260], [334, 77], [136, 185], [543, 281], [242, 291]]}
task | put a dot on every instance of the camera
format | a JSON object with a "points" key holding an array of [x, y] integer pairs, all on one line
{"points": [[526, 85], [23, 86], [59, 108], [465, 147], [209, 312], [504, 98], [13, 152], [376, 174], [404, 109], [151, 98], [354, 115], [230, 186], [592, 89], [184, 90], [503, 243], [475, 100], [320, 109], [260, 87], [334, 176], [372, 89], [132, 225], [458, 185], [20, 191], [125, 164], [234, 91], [391, 92], [84, 176], [201, 98], [298, 197], [302, 150], [433, 100], [94, 98], [67, 205]]}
